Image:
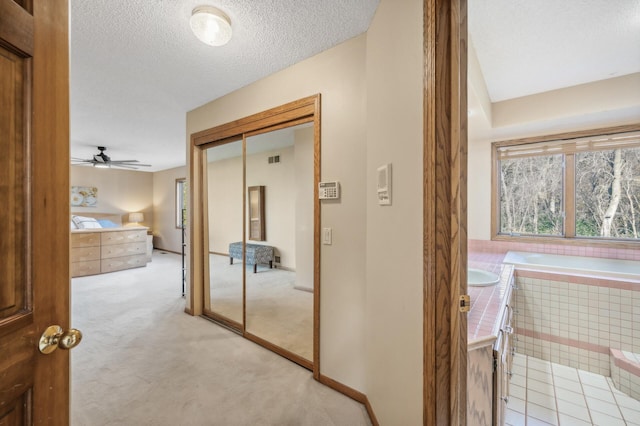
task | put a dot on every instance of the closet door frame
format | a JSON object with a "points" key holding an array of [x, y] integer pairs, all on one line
{"points": [[305, 110]]}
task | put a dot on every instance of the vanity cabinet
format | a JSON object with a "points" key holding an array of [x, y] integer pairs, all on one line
{"points": [[503, 352], [490, 360]]}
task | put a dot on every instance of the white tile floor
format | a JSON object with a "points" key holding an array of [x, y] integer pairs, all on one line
{"points": [[545, 393]]}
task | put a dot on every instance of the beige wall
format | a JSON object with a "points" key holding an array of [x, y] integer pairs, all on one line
{"points": [[371, 276], [394, 343], [166, 235], [125, 191], [119, 191], [605, 95], [304, 207], [288, 200], [338, 75], [225, 201], [280, 215]]}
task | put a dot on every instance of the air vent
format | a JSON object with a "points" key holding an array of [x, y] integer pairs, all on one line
{"points": [[274, 159], [277, 259]]}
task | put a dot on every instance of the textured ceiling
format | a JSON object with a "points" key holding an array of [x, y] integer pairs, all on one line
{"points": [[526, 47], [136, 68]]}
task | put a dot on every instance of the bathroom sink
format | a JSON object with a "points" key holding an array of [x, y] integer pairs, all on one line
{"points": [[481, 278]]}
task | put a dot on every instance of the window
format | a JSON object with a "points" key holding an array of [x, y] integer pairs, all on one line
{"points": [[181, 202], [608, 193], [571, 188], [531, 195]]}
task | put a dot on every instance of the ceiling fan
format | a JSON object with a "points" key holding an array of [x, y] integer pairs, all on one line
{"points": [[102, 160]]}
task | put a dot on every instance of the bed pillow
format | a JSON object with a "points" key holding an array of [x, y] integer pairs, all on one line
{"points": [[85, 222], [106, 223]]}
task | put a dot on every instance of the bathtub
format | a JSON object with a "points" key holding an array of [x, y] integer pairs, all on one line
{"points": [[615, 269]]}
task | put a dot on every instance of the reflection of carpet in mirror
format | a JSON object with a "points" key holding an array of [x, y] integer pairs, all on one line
{"points": [[276, 311]]}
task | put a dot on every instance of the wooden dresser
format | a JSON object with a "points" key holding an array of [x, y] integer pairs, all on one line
{"points": [[96, 251]]}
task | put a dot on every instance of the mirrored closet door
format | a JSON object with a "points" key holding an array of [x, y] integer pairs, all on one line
{"points": [[222, 211], [256, 221], [279, 292]]}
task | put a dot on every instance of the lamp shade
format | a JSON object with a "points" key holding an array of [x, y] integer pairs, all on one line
{"points": [[136, 217], [211, 25]]}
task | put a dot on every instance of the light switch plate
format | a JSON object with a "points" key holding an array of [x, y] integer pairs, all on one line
{"points": [[326, 236]]}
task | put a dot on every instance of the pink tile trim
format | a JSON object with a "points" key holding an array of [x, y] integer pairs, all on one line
{"points": [[622, 362], [505, 246], [578, 279], [563, 340]]}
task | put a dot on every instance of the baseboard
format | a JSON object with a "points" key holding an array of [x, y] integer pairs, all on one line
{"points": [[372, 415], [351, 393], [168, 251], [293, 357]]}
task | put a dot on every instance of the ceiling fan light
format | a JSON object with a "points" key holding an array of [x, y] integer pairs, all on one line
{"points": [[101, 165], [211, 25]]}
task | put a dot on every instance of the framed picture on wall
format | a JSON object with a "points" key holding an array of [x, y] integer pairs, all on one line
{"points": [[84, 196]]}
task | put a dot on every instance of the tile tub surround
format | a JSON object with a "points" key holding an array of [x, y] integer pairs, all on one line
{"points": [[575, 321], [625, 372], [478, 247]]}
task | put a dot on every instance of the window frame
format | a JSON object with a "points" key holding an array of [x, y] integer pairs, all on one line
{"points": [[569, 237], [180, 201]]}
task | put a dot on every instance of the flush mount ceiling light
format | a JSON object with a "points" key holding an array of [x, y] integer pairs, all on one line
{"points": [[212, 26]]}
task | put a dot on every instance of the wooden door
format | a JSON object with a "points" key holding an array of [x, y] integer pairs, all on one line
{"points": [[34, 212]]}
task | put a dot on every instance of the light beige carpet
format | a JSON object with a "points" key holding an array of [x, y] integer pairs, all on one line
{"points": [[276, 311], [143, 361]]}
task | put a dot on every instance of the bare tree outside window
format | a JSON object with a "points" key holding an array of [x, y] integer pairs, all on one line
{"points": [[608, 193], [576, 186], [531, 195]]}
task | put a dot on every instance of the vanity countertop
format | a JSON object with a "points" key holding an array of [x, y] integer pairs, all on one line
{"points": [[487, 305]]}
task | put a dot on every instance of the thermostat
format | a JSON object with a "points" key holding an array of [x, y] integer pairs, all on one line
{"points": [[329, 190]]}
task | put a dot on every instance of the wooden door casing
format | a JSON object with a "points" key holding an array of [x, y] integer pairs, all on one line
{"points": [[34, 194], [445, 211]]}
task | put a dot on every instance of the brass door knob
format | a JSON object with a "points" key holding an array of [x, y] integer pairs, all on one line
{"points": [[55, 337]]}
